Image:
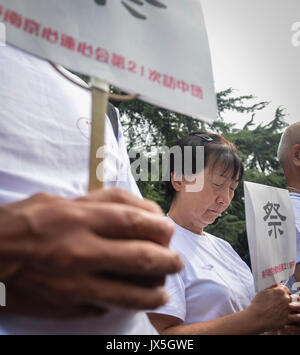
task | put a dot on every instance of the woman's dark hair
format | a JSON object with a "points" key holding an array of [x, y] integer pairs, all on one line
{"points": [[217, 149]]}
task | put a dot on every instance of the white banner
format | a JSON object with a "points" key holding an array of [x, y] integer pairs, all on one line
{"points": [[271, 234], [155, 48]]}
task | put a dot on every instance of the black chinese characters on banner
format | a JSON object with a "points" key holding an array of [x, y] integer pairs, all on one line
{"points": [[131, 6], [274, 217]]}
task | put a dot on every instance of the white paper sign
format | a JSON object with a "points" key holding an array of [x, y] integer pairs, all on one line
{"points": [[155, 48], [271, 234]]}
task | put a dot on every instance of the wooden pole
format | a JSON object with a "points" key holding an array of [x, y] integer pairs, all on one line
{"points": [[99, 106]]}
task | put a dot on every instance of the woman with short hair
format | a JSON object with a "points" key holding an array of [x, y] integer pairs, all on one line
{"points": [[214, 293]]}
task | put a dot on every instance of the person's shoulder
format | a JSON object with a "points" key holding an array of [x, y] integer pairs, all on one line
{"points": [[226, 249], [20, 58], [295, 198], [220, 241]]}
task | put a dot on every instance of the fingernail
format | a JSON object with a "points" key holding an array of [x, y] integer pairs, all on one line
{"points": [[295, 304]]}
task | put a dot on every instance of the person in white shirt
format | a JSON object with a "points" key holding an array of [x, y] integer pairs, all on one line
{"points": [[289, 158], [214, 292], [72, 262]]}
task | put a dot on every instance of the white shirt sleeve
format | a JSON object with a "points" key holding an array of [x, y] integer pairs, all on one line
{"points": [[176, 306]]}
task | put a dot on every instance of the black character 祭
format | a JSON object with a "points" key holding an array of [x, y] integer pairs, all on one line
{"points": [[128, 4], [269, 208]]}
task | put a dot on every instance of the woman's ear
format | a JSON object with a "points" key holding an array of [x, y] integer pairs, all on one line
{"points": [[176, 179], [295, 155]]}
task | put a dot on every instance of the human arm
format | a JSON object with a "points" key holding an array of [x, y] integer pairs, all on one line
{"points": [[293, 326], [61, 257], [268, 310], [294, 319]]}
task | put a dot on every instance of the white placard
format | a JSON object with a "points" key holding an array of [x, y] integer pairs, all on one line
{"points": [[155, 48], [271, 232]]}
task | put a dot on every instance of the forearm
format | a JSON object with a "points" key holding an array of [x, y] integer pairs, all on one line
{"points": [[240, 323], [269, 310]]}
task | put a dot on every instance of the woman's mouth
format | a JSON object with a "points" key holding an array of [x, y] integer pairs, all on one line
{"points": [[215, 212]]}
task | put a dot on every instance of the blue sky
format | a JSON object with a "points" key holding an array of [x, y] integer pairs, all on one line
{"points": [[252, 52]]}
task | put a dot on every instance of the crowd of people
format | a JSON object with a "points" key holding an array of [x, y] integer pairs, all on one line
{"points": [[91, 263]]}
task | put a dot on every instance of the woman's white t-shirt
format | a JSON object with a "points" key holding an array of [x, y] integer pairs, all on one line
{"points": [[214, 282]]}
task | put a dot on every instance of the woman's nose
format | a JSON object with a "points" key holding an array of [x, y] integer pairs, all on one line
{"points": [[224, 197]]}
